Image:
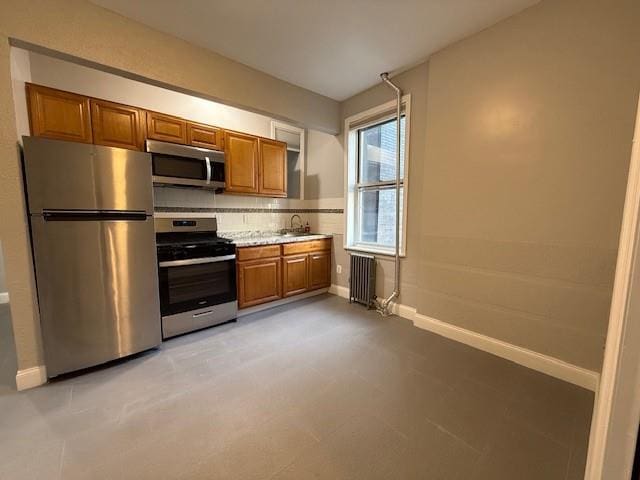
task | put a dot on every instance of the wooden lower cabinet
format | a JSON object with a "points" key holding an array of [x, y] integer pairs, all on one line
{"points": [[295, 275], [319, 270], [271, 272], [259, 281]]}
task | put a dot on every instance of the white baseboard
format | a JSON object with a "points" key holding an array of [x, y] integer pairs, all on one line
{"points": [[4, 297], [339, 291], [31, 377], [404, 311], [284, 301], [528, 358]]}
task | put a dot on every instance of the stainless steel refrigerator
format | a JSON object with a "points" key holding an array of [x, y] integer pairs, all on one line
{"points": [[90, 211]]}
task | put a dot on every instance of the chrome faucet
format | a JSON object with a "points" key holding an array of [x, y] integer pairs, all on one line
{"points": [[291, 222]]}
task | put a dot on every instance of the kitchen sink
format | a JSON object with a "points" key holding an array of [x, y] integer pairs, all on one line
{"points": [[295, 234]]}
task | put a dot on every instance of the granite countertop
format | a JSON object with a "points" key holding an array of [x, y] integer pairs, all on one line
{"points": [[247, 239]]}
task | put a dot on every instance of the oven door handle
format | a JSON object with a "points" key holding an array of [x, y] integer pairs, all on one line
{"points": [[196, 261]]}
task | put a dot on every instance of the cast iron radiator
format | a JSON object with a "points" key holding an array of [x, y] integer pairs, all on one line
{"points": [[362, 283]]}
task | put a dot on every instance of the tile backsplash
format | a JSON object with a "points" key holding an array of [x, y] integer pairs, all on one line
{"points": [[241, 213]]}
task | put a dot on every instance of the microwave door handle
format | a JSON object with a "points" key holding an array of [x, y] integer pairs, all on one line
{"points": [[208, 164]]}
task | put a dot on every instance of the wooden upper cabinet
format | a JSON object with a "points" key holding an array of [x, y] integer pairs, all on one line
{"points": [[258, 281], [59, 115], [294, 275], [273, 168], [204, 136], [319, 270], [241, 163], [116, 125], [166, 128], [253, 165]]}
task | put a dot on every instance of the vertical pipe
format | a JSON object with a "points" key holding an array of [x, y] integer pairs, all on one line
{"points": [[384, 307]]}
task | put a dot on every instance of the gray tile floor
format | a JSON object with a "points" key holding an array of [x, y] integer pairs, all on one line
{"points": [[318, 389]]}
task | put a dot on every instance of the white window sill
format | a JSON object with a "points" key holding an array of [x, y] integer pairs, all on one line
{"points": [[375, 251]]}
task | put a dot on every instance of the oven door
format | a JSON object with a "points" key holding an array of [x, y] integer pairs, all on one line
{"points": [[194, 284]]}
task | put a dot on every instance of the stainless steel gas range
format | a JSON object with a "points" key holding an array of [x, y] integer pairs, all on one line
{"points": [[197, 275]]}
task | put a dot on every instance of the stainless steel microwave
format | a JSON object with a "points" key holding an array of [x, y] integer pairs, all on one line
{"points": [[183, 165]]}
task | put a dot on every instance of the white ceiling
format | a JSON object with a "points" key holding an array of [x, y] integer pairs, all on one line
{"points": [[333, 47]]}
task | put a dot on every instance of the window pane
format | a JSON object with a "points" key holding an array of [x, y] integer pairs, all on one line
{"points": [[377, 216], [378, 152]]}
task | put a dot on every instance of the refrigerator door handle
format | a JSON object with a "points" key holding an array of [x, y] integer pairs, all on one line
{"points": [[95, 215]]}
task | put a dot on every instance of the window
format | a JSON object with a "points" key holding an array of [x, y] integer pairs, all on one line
{"points": [[371, 164]]}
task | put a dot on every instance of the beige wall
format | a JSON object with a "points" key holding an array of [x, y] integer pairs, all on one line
{"points": [[56, 73], [3, 283], [14, 229], [95, 36], [520, 144], [529, 128], [324, 167], [20, 74]]}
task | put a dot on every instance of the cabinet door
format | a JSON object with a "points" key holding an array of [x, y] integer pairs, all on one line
{"points": [[273, 168], [204, 136], [166, 128], [59, 115], [241, 163], [319, 270], [295, 278], [258, 282], [116, 125]]}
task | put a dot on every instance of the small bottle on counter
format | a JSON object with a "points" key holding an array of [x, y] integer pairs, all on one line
{"points": [[307, 228]]}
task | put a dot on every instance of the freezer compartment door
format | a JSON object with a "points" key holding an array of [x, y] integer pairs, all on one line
{"points": [[97, 287], [74, 176]]}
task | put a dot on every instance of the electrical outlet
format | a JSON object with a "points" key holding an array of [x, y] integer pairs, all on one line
{"points": [[338, 269]]}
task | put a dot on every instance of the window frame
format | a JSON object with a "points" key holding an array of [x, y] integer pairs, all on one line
{"points": [[352, 126]]}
